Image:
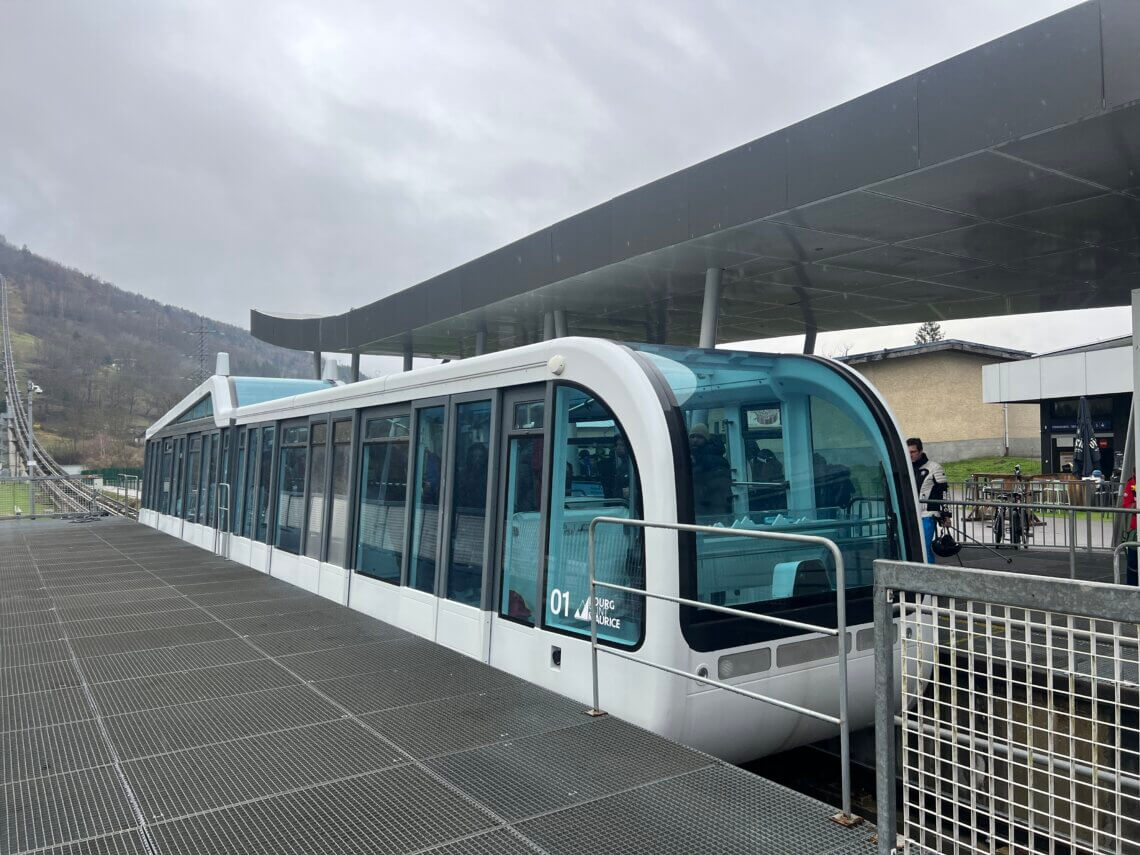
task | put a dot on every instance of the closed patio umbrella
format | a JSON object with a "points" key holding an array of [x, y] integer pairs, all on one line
{"points": [[1086, 454]]}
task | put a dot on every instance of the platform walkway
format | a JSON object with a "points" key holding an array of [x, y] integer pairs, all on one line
{"points": [[157, 699]]}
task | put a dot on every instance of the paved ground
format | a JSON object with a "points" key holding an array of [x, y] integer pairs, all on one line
{"points": [[157, 699]]}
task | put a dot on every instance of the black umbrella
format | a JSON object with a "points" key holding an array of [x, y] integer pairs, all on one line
{"points": [[1086, 455]]}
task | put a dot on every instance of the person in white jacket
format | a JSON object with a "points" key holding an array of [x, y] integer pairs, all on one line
{"points": [[932, 483]]}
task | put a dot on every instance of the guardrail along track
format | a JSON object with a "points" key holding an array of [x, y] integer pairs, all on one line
{"points": [[67, 494]]}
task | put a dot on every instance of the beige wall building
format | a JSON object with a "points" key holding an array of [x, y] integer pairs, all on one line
{"points": [[935, 392]]}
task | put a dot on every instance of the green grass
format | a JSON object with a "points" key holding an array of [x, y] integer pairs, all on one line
{"points": [[961, 470], [14, 495]]}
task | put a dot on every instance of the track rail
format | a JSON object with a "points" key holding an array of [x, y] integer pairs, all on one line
{"points": [[68, 495]]}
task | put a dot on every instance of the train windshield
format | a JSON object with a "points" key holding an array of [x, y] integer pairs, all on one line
{"points": [[780, 443]]}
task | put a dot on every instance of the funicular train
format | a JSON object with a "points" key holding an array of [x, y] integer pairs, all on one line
{"points": [[454, 501]]}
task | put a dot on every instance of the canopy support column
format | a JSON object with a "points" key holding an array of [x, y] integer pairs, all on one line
{"points": [[480, 340], [355, 366], [560, 323], [407, 356], [710, 312], [318, 357], [547, 326]]}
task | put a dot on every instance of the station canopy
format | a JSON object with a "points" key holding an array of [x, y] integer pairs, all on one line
{"points": [[1003, 180]]}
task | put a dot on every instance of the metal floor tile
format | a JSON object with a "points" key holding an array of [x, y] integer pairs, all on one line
{"points": [[62, 808], [363, 659], [164, 620], [149, 639], [166, 660], [719, 808], [164, 690], [295, 602], [479, 718], [203, 722], [395, 811], [127, 843], [327, 615], [40, 709], [201, 779], [42, 677], [500, 842], [537, 774], [325, 638], [50, 750], [85, 612]]}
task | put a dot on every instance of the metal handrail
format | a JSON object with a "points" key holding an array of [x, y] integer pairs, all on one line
{"points": [[839, 632], [1067, 511], [1116, 553]]}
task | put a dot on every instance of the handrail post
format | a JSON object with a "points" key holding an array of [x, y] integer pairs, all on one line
{"points": [[841, 660], [591, 604], [1117, 552], [885, 761], [1072, 544]]}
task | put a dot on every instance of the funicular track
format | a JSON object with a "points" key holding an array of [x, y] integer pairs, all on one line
{"points": [[68, 495]]}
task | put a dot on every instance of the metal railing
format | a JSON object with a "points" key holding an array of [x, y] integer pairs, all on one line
{"points": [[839, 632], [1055, 527], [1018, 702], [1117, 554], [48, 496]]}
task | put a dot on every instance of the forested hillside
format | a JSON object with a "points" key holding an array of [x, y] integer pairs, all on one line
{"points": [[110, 362]]}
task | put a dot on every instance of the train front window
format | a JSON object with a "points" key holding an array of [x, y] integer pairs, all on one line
{"points": [[783, 444]]}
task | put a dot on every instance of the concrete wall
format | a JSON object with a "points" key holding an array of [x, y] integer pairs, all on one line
{"points": [[938, 397]]}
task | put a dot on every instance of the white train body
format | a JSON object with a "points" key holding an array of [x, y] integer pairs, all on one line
{"points": [[497, 570]]}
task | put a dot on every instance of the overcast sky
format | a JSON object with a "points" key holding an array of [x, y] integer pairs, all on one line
{"points": [[305, 157]]}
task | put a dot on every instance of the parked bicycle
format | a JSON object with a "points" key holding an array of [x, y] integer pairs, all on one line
{"points": [[1013, 522]]}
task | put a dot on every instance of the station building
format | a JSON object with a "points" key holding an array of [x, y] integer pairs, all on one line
{"points": [[935, 392], [1055, 382]]}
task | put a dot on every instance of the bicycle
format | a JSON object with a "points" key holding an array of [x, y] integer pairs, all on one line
{"points": [[1016, 518]]}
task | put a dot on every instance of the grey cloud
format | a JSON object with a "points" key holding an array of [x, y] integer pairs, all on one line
{"points": [[276, 154]]}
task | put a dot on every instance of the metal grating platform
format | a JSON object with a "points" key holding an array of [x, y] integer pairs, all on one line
{"points": [[157, 699]]}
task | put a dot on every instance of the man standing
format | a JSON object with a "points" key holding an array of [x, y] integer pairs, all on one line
{"points": [[932, 483]]}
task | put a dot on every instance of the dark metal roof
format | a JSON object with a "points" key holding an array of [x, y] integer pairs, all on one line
{"points": [[1018, 191], [1106, 344], [972, 347]]}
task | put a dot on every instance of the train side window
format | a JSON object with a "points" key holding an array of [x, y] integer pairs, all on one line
{"points": [[176, 487], [593, 474], [318, 469], [341, 483], [425, 502], [470, 468], [383, 498], [291, 487], [190, 482], [264, 477], [166, 476], [522, 519]]}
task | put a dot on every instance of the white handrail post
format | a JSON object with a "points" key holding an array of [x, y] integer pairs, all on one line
{"points": [[596, 709]]}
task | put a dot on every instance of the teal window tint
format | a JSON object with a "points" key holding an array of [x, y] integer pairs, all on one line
{"points": [[291, 488], [425, 505], [253, 445], [802, 453], [200, 410], [165, 476], [257, 390], [191, 483], [318, 457], [522, 521], [383, 509], [264, 481], [592, 474], [341, 470], [469, 473]]}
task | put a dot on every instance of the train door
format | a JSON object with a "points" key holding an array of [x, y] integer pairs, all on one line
{"points": [[421, 560], [521, 533], [463, 622]]}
